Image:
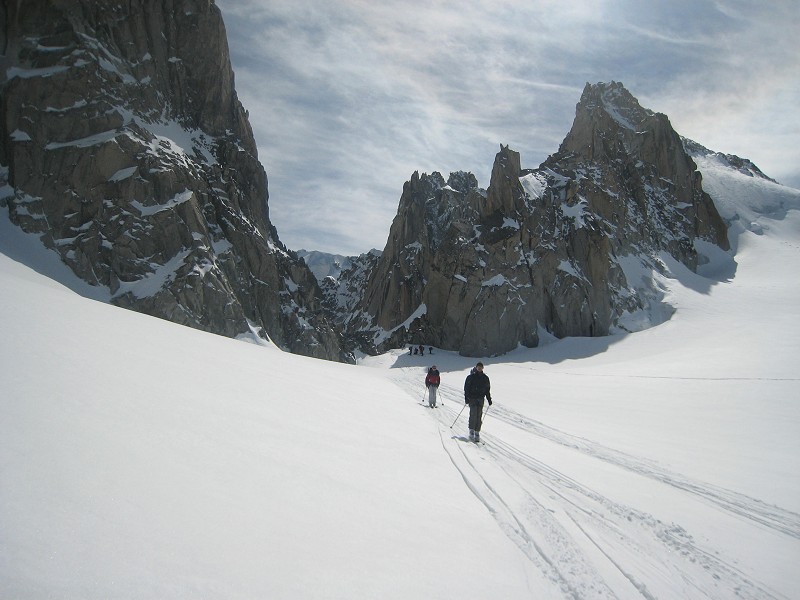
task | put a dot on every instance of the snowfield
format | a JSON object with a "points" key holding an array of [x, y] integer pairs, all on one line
{"points": [[141, 459]]}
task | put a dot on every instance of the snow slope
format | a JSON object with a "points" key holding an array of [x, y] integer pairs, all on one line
{"points": [[140, 459]]}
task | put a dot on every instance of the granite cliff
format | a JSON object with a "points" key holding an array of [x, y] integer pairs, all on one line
{"points": [[123, 146]]}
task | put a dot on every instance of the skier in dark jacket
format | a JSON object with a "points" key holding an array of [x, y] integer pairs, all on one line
{"points": [[432, 383], [476, 388]]}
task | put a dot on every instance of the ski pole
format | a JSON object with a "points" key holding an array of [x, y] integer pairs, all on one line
{"points": [[459, 414]]}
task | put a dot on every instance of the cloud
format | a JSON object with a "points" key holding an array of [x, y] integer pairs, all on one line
{"points": [[347, 98]]}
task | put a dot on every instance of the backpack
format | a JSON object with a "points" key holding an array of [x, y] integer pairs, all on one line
{"points": [[475, 386]]}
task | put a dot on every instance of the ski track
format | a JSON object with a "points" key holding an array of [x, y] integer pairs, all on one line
{"points": [[582, 543], [773, 517]]}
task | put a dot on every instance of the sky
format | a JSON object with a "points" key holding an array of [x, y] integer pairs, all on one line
{"points": [[144, 459], [347, 98]]}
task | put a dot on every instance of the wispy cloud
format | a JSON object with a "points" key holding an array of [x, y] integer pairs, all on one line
{"points": [[348, 97]]}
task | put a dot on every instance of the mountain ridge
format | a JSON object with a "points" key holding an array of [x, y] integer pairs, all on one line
{"points": [[560, 249], [127, 151]]}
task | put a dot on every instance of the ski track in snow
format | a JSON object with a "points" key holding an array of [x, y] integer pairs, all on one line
{"points": [[774, 517], [583, 543]]}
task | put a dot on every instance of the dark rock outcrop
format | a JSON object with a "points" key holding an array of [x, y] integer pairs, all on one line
{"points": [[123, 144]]}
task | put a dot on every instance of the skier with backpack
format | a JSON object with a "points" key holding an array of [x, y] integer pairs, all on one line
{"points": [[432, 381], [476, 388]]}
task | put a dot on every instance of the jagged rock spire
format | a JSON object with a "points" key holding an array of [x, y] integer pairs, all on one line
{"points": [[505, 192], [544, 249]]}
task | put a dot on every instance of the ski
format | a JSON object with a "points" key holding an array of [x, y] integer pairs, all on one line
{"points": [[466, 439]]}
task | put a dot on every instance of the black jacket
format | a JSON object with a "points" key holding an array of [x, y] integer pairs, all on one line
{"points": [[476, 387]]}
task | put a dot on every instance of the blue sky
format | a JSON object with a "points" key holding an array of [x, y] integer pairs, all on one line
{"points": [[348, 98]]}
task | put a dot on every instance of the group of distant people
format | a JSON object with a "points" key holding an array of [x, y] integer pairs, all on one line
{"points": [[477, 389], [419, 350]]}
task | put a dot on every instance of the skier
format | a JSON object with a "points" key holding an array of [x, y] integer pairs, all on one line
{"points": [[476, 387], [432, 383]]}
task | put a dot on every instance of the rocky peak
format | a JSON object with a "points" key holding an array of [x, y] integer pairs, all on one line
{"points": [[462, 181], [504, 194], [543, 250], [429, 209], [640, 151], [607, 120], [617, 102], [124, 145]]}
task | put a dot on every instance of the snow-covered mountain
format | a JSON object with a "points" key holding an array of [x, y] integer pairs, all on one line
{"points": [[141, 459], [741, 192], [325, 264], [342, 280]]}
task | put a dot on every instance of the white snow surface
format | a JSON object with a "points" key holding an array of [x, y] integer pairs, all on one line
{"points": [[141, 459]]}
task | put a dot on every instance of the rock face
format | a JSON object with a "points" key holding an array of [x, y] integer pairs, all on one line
{"points": [[560, 249], [123, 144], [429, 208]]}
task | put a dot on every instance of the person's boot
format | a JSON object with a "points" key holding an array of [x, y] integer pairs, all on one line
{"points": [[477, 437], [471, 435]]}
